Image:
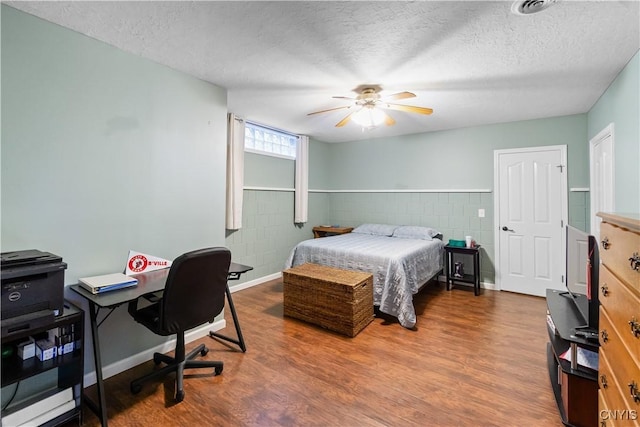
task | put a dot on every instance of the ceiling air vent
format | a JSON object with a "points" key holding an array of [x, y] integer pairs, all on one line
{"points": [[529, 7]]}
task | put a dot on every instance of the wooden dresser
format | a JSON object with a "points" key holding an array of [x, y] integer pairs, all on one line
{"points": [[619, 364]]}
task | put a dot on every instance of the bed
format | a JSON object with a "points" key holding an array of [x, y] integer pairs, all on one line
{"points": [[400, 258]]}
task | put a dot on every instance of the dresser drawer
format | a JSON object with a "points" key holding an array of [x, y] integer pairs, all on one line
{"points": [[626, 369], [608, 396], [621, 245], [623, 308], [603, 411], [613, 408]]}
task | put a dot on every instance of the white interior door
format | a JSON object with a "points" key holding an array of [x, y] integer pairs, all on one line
{"points": [[531, 210], [601, 176]]}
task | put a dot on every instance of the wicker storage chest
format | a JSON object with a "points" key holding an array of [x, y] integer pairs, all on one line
{"points": [[339, 300]]}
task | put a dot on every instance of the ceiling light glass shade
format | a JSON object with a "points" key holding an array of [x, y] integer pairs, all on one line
{"points": [[368, 117]]}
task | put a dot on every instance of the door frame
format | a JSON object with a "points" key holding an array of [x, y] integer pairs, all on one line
{"points": [[496, 201], [608, 131]]}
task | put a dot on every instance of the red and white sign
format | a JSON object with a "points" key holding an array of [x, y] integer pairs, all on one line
{"points": [[141, 263]]}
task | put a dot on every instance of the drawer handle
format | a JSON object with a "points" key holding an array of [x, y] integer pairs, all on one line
{"points": [[604, 335], [634, 262], [605, 243], [603, 381], [633, 390], [604, 289], [635, 327]]}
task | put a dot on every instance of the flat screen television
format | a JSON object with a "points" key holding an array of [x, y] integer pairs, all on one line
{"points": [[582, 275]]}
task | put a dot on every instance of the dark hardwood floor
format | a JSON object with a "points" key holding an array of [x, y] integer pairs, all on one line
{"points": [[471, 361]]}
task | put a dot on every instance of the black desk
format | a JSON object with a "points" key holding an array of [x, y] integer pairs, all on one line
{"points": [[148, 283]]}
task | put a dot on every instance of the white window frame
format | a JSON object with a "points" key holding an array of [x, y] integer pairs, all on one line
{"points": [[252, 125]]}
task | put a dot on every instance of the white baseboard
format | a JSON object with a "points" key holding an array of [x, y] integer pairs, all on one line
{"points": [[491, 286], [128, 363], [254, 282], [483, 285], [135, 360]]}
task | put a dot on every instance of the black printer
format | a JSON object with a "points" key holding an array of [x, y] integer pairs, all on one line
{"points": [[32, 289]]}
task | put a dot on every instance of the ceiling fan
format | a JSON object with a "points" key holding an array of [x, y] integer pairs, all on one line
{"points": [[369, 106]]}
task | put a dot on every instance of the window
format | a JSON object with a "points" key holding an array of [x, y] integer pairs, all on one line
{"points": [[264, 140]]}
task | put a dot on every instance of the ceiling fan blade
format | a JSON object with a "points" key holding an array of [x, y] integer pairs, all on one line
{"points": [[345, 120], [400, 95], [388, 120], [343, 97], [330, 109], [408, 108]]}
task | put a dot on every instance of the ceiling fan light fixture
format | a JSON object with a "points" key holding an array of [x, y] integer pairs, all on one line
{"points": [[369, 117]]}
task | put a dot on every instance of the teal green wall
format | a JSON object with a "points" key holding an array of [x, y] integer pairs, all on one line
{"points": [[579, 210], [268, 233], [455, 215], [620, 105], [103, 152], [444, 163], [320, 164], [268, 171], [453, 159], [372, 181], [277, 172]]}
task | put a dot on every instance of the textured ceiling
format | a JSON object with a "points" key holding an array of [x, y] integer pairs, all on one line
{"points": [[473, 62]]}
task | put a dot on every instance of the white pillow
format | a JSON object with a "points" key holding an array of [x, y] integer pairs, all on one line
{"points": [[375, 229], [415, 232]]}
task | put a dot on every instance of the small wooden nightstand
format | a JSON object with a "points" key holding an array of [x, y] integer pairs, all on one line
{"points": [[323, 231]]}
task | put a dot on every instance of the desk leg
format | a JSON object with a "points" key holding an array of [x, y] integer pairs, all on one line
{"points": [[448, 268], [476, 273], [240, 340], [101, 410]]}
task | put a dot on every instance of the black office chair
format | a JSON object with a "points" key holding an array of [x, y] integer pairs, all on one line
{"points": [[194, 294]]}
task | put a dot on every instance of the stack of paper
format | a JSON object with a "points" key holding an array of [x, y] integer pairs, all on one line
{"points": [[107, 282], [586, 357]]}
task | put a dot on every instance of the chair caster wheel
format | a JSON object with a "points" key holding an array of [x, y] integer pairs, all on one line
{"points": [[204, 351], [180, 396], [136, 388], [218, 371]]}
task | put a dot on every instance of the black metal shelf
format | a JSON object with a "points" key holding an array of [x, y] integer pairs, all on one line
{"points": [[559, 347], [578, 382], [553, 377], [70, 367], [15, 369]]}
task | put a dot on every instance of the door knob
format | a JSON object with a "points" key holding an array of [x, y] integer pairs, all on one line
{"points": [[505, 228]]}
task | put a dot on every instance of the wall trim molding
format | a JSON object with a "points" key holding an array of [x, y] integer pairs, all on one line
{"points": [[416, 190], [136, 359], [404, 190], [269, 188]]}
